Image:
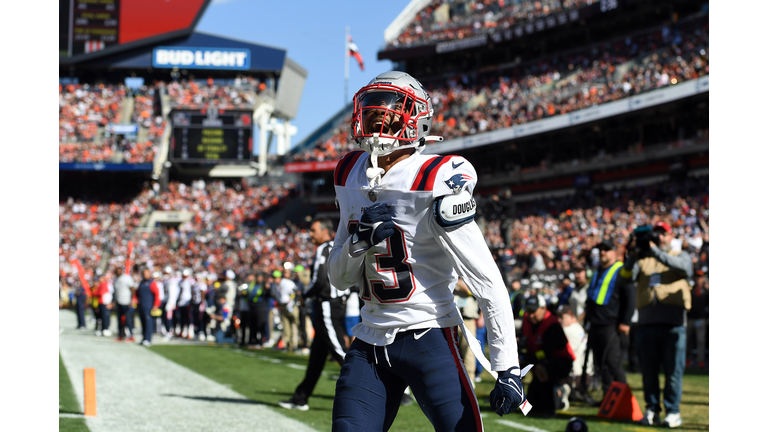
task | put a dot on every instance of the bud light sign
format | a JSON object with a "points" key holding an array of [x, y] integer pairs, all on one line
{"points": [[201, 58]]}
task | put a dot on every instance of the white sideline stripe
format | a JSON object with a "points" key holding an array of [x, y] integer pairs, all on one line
{"points": [[67, 415], [520, 426], [140, 390], [295, 366]]}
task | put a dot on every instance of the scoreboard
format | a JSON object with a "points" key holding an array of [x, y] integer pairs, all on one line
{"points": [[211, 135], [95, 25], [89, 26]]}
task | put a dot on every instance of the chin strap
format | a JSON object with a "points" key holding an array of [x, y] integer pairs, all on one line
{"points": [[374, 173]]}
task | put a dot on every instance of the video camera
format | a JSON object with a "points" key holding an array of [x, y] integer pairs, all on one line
{"points": [[643, 236]]}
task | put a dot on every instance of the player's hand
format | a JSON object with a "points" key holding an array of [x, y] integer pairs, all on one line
{"points": [[508, 393], [375, 225]]}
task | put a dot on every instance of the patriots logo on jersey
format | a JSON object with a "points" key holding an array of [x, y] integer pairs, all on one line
{"points": [[457, 181]]}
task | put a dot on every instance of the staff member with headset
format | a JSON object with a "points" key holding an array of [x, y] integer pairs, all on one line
{"points": [[610, 305], [663, 297]]}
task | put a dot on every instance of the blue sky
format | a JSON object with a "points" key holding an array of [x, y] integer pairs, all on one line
{"points": [[313, 34]]}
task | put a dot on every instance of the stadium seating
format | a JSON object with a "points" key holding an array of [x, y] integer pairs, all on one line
{"points": [[89, 228], [475, 103], [441, 20], [85, 110], [194, 95]]}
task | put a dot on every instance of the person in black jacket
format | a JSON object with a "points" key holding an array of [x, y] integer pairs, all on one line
{"points": [[610, 305], [328, 318]]}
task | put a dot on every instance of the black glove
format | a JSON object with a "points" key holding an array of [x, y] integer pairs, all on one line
{"points": [[375, 226], [508, 393]]}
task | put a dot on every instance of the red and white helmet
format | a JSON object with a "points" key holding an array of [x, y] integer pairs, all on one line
{"points": [[392, 112]]}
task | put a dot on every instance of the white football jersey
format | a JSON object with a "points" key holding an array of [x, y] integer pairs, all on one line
{"points": [[407, 280]]}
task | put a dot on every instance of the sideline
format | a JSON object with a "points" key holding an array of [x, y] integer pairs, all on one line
{"points": [[140, 390]]}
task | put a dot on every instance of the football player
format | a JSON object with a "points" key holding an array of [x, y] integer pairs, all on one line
{"points": [[407, 232]]}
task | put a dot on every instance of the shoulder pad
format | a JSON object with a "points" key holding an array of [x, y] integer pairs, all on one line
{"points": [[454, 210]]}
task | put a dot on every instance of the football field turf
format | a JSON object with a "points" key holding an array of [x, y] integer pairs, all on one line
{"points": [[267, 376], [68, 404]]}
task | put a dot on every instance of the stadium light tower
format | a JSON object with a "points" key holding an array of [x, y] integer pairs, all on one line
{"points": [[274, 115]]}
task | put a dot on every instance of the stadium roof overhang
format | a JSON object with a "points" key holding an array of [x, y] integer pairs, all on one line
{"points": [[198, 51]]}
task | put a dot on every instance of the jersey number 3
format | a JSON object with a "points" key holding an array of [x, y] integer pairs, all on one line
{"points": [[393, 262]]}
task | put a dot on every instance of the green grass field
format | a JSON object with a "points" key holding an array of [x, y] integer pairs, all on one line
{"points": [[268, 376], [68, 404]]}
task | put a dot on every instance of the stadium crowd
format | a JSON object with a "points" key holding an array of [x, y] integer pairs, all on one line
{"points": [[83, 108], [536, 243], [191, 94], [85, 111], [474, 103], [88, 230], [451, 20]]}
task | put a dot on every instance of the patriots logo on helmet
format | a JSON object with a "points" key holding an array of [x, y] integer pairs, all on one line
{"points": [[457, 181]]}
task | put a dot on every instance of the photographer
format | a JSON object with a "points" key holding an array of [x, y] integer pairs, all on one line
{"points": [[663, 297]]}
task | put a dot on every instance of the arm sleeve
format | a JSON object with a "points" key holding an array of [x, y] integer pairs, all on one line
{"points": [[466, 248], [153, 288], [681, 263], [345, 270]]}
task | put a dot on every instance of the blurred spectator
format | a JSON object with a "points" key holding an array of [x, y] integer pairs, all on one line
{"points": [[578, 298], [124, 286], [577, 339], [259, 298], [698, 320], [222, 317], [149, 301], [284, 291], [470, 312], [104, 298]]}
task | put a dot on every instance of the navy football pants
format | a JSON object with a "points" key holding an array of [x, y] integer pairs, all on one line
{"points": [[373, 379]]}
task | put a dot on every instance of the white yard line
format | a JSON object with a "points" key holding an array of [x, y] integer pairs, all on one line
{"points": [[520, 426], [139, 390]]}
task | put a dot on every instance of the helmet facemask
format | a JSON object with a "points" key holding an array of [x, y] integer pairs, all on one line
{"points": [[386, 118]]}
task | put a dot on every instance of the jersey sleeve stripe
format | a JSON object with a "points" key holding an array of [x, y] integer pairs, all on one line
{"points": [[426, 178], [344, 167]]}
